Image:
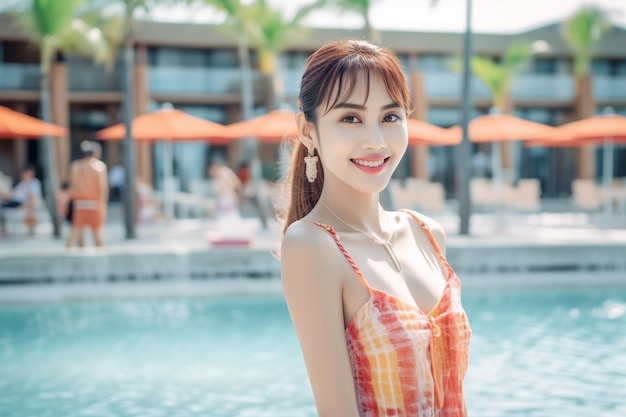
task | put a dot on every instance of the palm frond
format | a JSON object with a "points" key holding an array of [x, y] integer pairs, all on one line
{"points": [[82, 38], [516, 55], [232, 8], [586, 27], [359, 6], [50, 17], [582, 31], [304, 11], [492, 74]]}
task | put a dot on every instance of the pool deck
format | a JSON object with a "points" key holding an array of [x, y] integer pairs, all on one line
{"points": [[552, 248]]}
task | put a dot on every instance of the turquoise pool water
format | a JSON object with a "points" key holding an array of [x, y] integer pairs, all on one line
{"points": [[548, 353]]}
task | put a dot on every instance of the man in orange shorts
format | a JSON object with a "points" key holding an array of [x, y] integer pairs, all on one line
{"points": [[89, 191]]}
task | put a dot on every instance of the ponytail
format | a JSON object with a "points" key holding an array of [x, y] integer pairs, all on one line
{"points": [[301, 194]]}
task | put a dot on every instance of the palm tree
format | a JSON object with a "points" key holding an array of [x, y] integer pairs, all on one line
{"points": [[270, 32], [238, 19], [57, 27], [498, 77], [236, 22], [361, 7], [129, 11], [581, 32]]}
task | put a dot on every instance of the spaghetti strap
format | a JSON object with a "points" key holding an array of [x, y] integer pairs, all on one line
{"points": [[432, 239], [343, 250]]}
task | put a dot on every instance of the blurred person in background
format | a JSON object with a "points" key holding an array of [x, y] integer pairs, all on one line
{"points": [[25, 195], [228, 189], [116, 182], [89, 192]]}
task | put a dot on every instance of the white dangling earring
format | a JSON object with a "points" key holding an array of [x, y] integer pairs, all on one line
{"points": [[311, 165]]}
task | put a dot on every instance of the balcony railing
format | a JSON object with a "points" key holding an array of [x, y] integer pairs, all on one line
{"points": [[447, 85], [444, 85], [609, 88], [86, 76], [558, 87], [26, 77], [198, 80], [23, 77]]}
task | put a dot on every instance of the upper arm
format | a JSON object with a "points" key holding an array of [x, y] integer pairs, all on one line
{"points": [[73, 180], [38, 189], [313, 290], [104, 182]]}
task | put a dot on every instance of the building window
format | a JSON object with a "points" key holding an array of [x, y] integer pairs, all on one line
{"points": [[223, 58], [601, 67], [545, 66], [434, 62], [609, 67], [293, 60], [192, 57], [619, 67]]}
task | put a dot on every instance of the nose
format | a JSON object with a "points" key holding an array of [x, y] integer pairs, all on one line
{"points": [[375, 139]]}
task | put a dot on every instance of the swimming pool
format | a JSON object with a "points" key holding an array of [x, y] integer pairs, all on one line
{"points": [[547, 353]]}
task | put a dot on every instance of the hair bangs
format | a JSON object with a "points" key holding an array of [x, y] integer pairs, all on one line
{"points": [[350, 71]]}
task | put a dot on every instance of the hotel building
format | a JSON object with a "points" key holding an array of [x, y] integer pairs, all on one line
{"points": [[196, 68]]}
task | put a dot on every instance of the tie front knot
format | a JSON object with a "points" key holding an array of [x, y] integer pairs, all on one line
{"points": [[434, 327]]}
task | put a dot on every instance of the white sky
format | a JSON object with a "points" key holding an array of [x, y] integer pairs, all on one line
{"points": [[488, 16]]}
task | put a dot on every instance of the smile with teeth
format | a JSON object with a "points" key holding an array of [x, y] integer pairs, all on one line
{"points": [[371, 164]]}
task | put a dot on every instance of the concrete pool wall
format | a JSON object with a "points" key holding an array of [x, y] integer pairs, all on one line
{"points": [[171, 270]]}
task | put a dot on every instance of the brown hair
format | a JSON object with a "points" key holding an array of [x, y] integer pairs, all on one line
{"points": [[336, 66]]}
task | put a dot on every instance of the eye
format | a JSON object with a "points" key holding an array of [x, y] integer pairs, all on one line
{"points": [[351, 119], [391, 118]]}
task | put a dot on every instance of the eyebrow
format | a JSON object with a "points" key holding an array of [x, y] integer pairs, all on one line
{"points": [[347, 105]]}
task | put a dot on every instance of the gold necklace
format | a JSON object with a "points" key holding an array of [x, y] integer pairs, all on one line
{"points": [[385, 244]]}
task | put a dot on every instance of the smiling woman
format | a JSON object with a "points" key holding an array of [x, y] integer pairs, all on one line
{"points": [[374, 302]]}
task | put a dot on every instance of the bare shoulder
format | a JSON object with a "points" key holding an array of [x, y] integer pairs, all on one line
{"points": [[98, 165], [308, 252], [435, 228]]}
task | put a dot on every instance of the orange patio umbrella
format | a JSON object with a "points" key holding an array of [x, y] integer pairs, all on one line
{"points": [[585, 131], [596, 128], [272, 127], [606, 128], [14, 124], [505, 127], [496, 128], [423, 133], [168, 124]]}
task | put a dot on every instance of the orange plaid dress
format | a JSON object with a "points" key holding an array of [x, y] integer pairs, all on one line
{"points": [[405, 362]]}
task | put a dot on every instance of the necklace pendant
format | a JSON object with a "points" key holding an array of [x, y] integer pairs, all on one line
{"points": [[393, 256]]}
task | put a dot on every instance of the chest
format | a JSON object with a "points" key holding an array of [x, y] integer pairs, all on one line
{"points": [[420, 283]]}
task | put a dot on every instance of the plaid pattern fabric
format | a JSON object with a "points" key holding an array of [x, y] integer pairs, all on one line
{"points": [[407, 363]]}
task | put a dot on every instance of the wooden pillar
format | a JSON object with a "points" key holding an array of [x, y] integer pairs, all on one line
{"points": [[60, 116], [19, 147], [142, 96], [507, 146], [114, 147], [419, 153], [585, 107]]}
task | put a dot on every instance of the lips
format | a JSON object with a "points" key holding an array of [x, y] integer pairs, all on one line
{"points": [[371, 164]]}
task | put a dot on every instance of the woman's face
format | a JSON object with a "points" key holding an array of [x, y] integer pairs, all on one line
{"points": [[362, 144]]}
